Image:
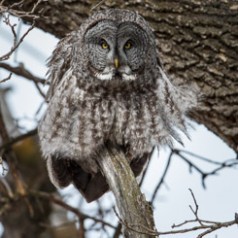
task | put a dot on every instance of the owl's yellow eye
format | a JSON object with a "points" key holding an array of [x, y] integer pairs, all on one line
{"points": [[128, 45], [104, 44]]}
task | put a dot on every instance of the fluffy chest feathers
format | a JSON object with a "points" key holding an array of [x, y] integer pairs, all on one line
{"points": [[88, 116]]}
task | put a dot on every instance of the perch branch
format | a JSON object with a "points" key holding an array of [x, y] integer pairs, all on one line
{"points": [[134, 211]]}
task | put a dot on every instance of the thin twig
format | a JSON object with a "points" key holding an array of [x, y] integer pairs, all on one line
{"points": [[14, 10], [98, 5], [199, 157], [17, 44], [23, 72], [162, 178], [226, 164], [6, 79], [209, 226], [10, 142], [74, 210]]}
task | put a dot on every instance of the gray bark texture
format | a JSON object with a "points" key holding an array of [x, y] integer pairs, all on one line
{"points": [[198, 42], [135, 213]]}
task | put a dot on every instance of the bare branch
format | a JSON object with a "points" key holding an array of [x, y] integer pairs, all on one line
{"points": [[22, 71], [6, 12], [16, 44], [117, 232], [162, 178], [12, 141], [39, 89], [6, 79], [20, 185], [74, 210], [13, 10], [208, 226], [230, 163]]}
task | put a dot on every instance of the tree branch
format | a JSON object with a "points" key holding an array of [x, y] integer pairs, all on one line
{"points": [[135, 212], [23, 72], [74, 210], [6, 79], [204, 175], [16, 43], [10, 142], [208, 226], [162, 178]]}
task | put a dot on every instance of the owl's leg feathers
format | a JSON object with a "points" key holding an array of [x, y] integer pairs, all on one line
{"points": [[57, 171], [96, 187], [64, 171], [138, 164]]}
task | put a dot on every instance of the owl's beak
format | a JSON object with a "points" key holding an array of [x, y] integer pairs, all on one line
{"points": [[116, 63]]}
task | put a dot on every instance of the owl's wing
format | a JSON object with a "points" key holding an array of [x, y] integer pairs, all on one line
{"points": [[59, 63], [63, 171]]}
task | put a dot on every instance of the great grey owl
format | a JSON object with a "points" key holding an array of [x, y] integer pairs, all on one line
{"points": [[107, 87]]}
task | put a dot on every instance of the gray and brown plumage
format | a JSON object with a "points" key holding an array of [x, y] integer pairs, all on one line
{"points": [[107, 88]]}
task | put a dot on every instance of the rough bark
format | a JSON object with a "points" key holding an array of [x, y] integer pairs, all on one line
{"points": [[135, 213], [198, 42]]}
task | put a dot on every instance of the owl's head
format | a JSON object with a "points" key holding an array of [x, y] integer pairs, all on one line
{"points": [[110, 44], [119, 45]]}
